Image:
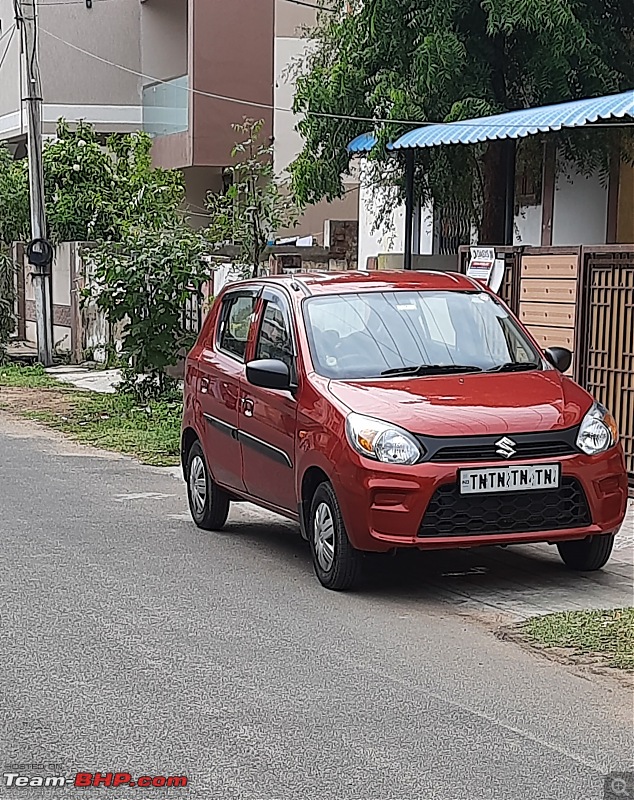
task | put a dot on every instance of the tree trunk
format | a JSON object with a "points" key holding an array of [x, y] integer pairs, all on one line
{"points": [[494, 164]]}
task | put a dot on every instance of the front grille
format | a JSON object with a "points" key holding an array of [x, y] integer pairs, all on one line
{"points": [[489, 453], [450, 513], [473, 449]]}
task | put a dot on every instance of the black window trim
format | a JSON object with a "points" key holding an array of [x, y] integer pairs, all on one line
{"points": [[227, 301], [270, 293]]}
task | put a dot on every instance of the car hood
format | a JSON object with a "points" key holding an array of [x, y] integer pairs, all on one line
{"points": [[470, 405]]}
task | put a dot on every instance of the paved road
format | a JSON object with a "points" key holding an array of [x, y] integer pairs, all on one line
{"points": [[131, 641]]}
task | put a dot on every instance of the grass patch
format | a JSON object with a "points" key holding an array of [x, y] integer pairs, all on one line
{"points": [[110, 421], [608, 634], [28, 377]]}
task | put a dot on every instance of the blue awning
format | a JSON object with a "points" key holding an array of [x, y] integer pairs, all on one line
{"points": [[363, 143], [510, 125]]}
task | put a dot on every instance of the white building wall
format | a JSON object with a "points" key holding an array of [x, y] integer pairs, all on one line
{"points": [[288, 51], [579, 214], [528, 226], [579, 218], [389, 238], [581, 211]]}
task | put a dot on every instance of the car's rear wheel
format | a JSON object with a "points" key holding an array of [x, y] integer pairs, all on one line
{"points": [[337, 564], [588, 554], [208, 503]]}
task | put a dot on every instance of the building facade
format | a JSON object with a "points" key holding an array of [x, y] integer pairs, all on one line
{"points": [[178, 69], [586, 210]]}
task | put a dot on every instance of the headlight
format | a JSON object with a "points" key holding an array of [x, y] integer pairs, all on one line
{"points": [[598, 431], [382, 441]]}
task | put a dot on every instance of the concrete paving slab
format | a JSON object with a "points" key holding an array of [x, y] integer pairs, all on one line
{"points": [[95, 380]]}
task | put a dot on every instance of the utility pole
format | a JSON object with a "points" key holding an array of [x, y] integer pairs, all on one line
{"points": [[40, 252]]}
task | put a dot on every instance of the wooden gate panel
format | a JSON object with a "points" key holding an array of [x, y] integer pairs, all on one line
{"points": [[549, 290], [550, 265]]}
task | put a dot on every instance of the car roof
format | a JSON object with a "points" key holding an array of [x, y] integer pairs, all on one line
{"points": [[377, 280]]}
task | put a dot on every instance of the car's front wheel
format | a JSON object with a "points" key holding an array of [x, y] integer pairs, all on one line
{"points": [[208, 503], [337, 564], [587, 555]]}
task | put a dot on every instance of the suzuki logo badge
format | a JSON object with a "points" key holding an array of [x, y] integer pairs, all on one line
{"points": [[505, 447]]}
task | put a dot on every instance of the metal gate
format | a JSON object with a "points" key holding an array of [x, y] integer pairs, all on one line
{"points": [[18, 256], [193, 311], [453, 228], [606, 335]]}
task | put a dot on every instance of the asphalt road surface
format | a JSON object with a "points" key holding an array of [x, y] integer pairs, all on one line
{"points": [[133, 642]]}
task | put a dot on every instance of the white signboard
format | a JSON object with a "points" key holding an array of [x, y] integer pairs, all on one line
{"points": [[497, 275], [486, 268], [481, 264]]}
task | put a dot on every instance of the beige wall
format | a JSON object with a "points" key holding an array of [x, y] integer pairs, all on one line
{"points": [[78, 86], [164, 38], [291, 18], [110, 30], [312, 220], [10, 74], [288, 143], [291, 48]]}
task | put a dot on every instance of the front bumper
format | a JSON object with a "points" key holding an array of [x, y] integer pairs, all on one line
{"points": [[384, 506]]}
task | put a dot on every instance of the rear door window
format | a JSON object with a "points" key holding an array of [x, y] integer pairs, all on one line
{"points": [[235, 322]]}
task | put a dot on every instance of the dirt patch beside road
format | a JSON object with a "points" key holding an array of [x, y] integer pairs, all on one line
{"points": [[22, 400], [150, 432]]}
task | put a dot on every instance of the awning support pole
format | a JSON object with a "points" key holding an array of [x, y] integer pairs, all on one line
{"points": [[509, 221], [416, 229], [410, 167]]}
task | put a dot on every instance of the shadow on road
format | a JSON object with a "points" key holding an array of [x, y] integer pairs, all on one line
{"points": [[523, 581]]}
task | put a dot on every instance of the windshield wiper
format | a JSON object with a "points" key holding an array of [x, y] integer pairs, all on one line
{"points": [[515, 366], [432, 369]]}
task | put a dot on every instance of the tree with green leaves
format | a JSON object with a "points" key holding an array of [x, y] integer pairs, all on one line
{"points": [[147, 260], [144, 282], [14, 199], [93, 190], [255, 206], [420, 61]]}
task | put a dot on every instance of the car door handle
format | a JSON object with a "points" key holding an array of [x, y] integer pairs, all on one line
{"points": [[204, 385], [247, 407]]}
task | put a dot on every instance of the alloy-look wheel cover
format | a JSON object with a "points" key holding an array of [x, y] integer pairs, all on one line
{"points": [[324, 537], [198, 484]]}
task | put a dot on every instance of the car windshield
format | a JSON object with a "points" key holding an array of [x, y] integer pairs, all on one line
{"points": [[380, 334]]}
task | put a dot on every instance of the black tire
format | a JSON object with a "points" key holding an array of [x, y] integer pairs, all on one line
{"points": [[346, 568], [588, 554], [209, 513]]}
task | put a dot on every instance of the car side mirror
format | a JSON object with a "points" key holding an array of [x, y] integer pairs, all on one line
{"points": [[269, 373], [559, 357]]}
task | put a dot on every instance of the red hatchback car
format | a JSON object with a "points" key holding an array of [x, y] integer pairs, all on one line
{"points": [[390, 410]]}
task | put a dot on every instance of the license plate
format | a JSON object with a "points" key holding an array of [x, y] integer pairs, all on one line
{"points": [[510, 479]]}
